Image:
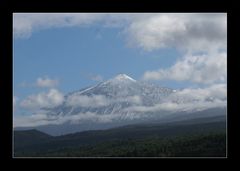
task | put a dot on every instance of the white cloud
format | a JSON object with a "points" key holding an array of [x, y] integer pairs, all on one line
{"points": [[26, 23], [31, 120], [94, 77], [43, 82], [134, 99], [150, 31], [49, 99], [87, 101], [24, 84], [205, 69], [89, 116], [216, 91], [46, 82], [42, 118], [189, 99], [130, 99], [174, 107], [97, 78], [186, 31]]}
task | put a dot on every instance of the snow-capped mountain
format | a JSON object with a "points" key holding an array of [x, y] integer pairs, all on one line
{"points": [[123, 100], [112, 97]]}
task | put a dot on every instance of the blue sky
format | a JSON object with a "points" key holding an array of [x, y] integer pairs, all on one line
{"points": [[73, 49], [71, 54]]}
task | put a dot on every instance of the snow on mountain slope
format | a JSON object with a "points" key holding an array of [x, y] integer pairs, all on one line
{"points": [[112, 97]]}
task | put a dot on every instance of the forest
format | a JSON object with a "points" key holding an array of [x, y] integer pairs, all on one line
{"points": [[212, 145], [182, 139]]}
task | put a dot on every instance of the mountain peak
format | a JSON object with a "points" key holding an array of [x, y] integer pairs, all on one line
{"points": [[123, 77]]}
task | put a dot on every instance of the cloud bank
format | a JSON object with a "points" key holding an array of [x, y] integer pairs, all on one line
{"points": [[189, 99], [87, 101], [192, 32], [203, 69], [41, 118], [150, 31], [42, 82], [46, 82], [48, 99], [24, 24]]}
